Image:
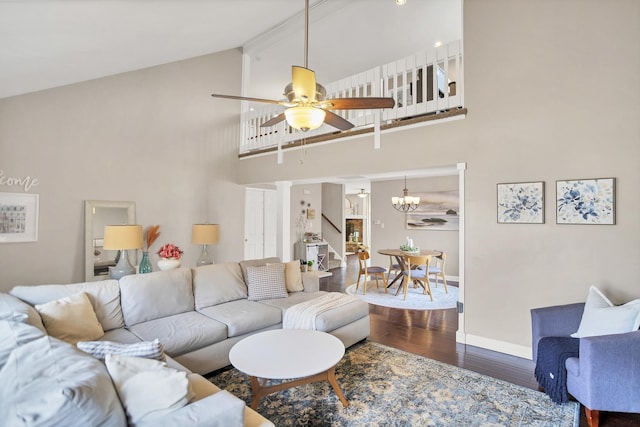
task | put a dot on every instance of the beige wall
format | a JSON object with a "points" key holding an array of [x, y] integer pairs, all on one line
{"points": [[154, 137], [551, 88], [544, 104]]}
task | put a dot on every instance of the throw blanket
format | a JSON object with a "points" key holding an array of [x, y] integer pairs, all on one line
{"points": [[303, 315], [551, 372]]}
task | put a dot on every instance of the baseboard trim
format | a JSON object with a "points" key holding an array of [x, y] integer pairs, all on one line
{"points": [[495, 345]]}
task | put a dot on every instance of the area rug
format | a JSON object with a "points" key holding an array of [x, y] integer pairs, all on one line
{"points": [[416, 300], [390, 387]]}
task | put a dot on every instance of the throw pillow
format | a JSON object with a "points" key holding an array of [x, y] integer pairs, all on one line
{"points": [[293, 276], [147, 386], [146, 349], [601, 317], [71, 319], [266, 282]]}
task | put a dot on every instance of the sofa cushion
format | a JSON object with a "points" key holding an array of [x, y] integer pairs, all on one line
{"points": [[120, 335], [48, 382], [218, 283], [12, 308], [243, 317], [154, 295], [182, 333], [104, 296], [13, 334], [266, 282], [602, 317], [147, 386], [293, 276], [71, 318], [145, 349], [295, 298], [256, 263]]}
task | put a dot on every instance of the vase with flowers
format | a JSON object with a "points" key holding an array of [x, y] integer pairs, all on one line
{"points": [[151, 235], [170, 256]]}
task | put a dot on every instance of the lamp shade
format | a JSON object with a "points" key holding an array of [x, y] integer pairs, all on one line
{"points": [[305, 118], [205, 234], [117, 237]]}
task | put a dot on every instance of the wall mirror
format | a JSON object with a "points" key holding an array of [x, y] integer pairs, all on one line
{"points": [[97, 214]]}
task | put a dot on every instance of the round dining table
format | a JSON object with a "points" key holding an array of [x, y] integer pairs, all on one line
{"points": [[399, 257]]}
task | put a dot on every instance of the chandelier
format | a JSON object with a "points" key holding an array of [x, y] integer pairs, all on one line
{"points": [[405, 203]]}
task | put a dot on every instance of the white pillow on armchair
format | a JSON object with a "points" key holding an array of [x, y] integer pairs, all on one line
{"points": [[602, 317]]}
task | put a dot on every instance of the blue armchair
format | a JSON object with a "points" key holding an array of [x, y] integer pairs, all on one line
{"points": [[606, 376]]}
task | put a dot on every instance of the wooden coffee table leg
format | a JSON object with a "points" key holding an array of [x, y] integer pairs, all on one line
{"points": [[331, 376], [258, 388]]}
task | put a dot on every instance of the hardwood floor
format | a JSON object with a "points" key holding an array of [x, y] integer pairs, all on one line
{"points": [[431, 333]]}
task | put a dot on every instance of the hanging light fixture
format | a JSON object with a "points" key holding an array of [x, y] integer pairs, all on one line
{"points": [[362, 194], [405, 203], [305, 118]]}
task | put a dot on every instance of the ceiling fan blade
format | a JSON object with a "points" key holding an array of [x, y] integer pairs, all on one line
{"points": [[274, 121], [244, 98], [303, 81], [358, 103], [336, 121]]}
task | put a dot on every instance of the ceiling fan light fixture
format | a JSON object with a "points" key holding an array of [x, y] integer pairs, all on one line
{"points": [[305, 118]]}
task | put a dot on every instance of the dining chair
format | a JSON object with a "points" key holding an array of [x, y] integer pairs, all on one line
{"points": [[367, 270], [414, 274], [437, 270]]}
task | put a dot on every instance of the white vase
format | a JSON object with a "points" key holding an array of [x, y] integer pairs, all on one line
{"points": [[168, 263]]}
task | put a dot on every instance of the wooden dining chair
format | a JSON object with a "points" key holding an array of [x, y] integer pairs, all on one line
{"points": [[367, 270], [414, 274], [437, 270]]}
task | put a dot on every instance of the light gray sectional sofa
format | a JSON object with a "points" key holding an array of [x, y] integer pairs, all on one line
{"points": [[196, 314]]}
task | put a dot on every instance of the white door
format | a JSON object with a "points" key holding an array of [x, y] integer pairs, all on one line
{"points": [[260, 229]]}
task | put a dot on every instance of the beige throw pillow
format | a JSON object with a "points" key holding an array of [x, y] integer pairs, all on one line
{"points": [[71, 319], [293, 276]]}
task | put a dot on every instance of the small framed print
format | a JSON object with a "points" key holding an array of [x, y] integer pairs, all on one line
{"points": [[311, 214], [521, 203], [586, 201], [18, 217]]}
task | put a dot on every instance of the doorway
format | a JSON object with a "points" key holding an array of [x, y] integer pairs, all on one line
{"points": [[260, 223]]}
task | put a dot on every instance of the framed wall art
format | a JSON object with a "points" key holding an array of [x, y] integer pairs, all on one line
{"points": [[18, 217], [438, 210], [521, 203], [586, 201]]}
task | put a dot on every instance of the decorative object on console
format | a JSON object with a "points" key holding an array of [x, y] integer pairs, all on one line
{"points": [[121, 238], [521, 203], [151, 235], [170, 256], [205, 234], [405, 203], [586, 201]]}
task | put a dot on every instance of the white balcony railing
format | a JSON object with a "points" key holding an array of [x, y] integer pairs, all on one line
{"points": [[411, 81]]}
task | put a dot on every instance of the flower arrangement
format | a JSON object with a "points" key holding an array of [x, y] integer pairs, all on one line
{"points": [[170, 251], [151, 236]]}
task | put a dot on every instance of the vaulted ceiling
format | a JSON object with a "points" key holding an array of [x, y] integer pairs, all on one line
{"points": [[45, 44]]}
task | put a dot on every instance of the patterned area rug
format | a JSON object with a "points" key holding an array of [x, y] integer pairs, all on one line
{"points": [[416, 299], [389, 387]]}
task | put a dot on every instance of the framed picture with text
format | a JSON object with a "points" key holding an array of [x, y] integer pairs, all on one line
{"points": [[586, 201], [521, 203], [18, 217]]}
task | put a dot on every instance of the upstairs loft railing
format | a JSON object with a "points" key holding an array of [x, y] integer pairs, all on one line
{"points": [[417, 89]]}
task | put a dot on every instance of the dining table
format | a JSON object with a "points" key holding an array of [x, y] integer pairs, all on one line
{"points": [[399, 255]]}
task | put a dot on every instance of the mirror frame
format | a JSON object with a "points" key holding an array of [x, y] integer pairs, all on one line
{"points": [[89, 206]]}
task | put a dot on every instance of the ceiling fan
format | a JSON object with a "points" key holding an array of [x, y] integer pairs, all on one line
{"points": [[307, 107]]}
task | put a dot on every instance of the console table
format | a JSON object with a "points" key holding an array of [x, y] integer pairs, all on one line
{"points": [[313, 251]]}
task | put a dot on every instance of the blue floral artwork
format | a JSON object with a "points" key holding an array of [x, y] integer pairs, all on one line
{"points": [[521, 203], [585, 201]]}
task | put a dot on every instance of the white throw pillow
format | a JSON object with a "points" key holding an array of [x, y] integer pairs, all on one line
{"points": [[71, 319], [266, 282], [147, 349], [601, 317], [147, 386]]}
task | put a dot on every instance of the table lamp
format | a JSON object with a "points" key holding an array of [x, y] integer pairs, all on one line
{"points": [[205, 234], [120, 238]]}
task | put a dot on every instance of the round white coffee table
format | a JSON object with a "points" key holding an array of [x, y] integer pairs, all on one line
{"points": [[288, 353]]}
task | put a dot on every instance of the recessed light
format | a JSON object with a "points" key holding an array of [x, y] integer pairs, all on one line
{"points": [[437, 44], [400, 2]]}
